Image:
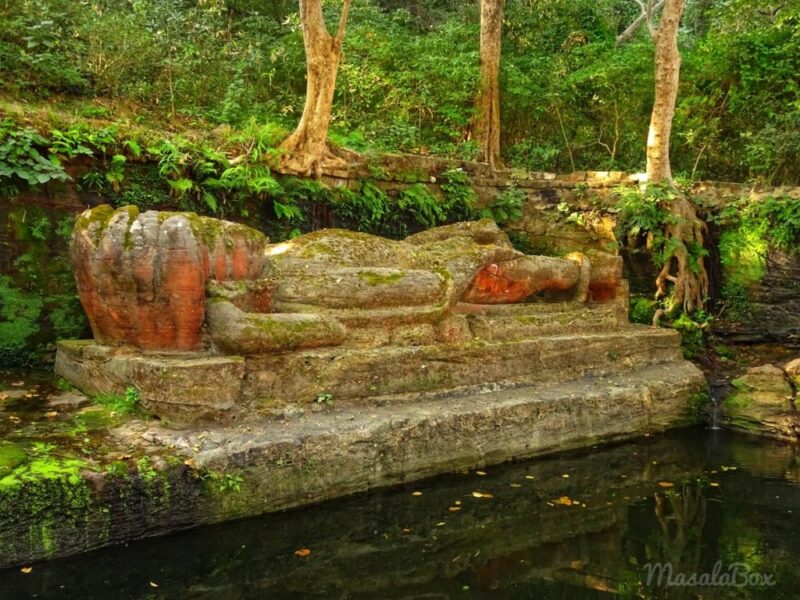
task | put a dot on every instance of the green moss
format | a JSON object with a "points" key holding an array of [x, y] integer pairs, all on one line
{"points": [[736, 402], [314, 249], [693, 339], [698, 404], [724, 351], [96, 219], [375, 279], [45, 468], [11, 456]]}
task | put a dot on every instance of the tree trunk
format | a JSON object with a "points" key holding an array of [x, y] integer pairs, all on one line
{"points": [[487, 121], [684, 233], [667, 77], [306, 148]]}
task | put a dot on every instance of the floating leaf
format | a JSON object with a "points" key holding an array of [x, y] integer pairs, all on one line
{"points": [[417, 493], [481, 473], [666, 484], [26, 570], [714, 484], [153, 584], [563, 501], [454, 508], [302, 552], [482, 495]]}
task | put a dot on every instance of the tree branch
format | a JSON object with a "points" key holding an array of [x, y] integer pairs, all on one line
{"points": [[343, 20], [631, 30]]}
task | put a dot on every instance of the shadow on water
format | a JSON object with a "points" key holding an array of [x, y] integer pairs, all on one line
{"points": [[580, 525]]}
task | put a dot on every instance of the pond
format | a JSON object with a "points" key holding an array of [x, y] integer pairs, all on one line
{"points": [[579, 525]]}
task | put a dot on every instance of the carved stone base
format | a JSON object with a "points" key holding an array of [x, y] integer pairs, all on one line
{"points": [[506, 346]]}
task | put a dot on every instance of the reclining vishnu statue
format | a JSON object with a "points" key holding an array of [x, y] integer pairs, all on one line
{"points": [[180, 287]]}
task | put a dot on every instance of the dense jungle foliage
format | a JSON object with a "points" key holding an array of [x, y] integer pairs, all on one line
{"points": [[570, 98]]}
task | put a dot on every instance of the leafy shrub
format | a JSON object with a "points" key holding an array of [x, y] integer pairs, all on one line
{"points": [[24, 160], [506, 207]]}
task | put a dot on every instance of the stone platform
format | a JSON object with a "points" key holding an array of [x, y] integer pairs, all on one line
{"points": [[146, 478], [507, 346]]}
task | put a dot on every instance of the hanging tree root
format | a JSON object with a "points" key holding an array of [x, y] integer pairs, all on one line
{"points": [[690, 281]]}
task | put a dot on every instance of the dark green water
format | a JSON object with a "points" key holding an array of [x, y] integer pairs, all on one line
{"points": [[733, 499]]}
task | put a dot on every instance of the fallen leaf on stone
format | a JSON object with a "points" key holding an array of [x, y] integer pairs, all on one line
{"points": [[454, 508], [482, 495], [416, 493], [26, 570], [302, 552], [666, 484], [189, 462], [153, 584], [563, 501], [51, 415], [15, 419]]}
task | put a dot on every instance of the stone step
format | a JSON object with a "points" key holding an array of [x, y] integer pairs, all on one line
{"points": [[503, 327], [416, 373]]}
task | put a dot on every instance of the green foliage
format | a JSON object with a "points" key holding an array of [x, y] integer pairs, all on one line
{"points": [[642, 310], [751, 228], [24, 159], [424, 207], [38, 302], [693, 334], [459, 194], [409, 76], [507, 207], [125, 404]]}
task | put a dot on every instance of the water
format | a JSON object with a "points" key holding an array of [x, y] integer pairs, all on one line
{"points": [[575, 526]]}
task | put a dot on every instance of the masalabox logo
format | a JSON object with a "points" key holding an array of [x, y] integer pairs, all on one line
{"points": [[737, 575]]}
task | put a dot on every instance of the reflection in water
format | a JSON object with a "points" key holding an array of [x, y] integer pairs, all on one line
{"points": [[582, 525]]}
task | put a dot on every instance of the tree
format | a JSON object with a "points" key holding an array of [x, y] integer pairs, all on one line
{"points": [[684, 232], [306, 149], [487, 121]]}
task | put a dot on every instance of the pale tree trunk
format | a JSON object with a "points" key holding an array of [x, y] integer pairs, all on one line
{"points": [[487, 119], [684, 233], [667, 78], [306, 149]]}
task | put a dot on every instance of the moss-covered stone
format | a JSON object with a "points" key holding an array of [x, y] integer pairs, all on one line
{"points": [[374, 279]]}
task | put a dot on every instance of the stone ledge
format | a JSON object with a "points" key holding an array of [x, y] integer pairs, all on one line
{"points": [[320, 454]]}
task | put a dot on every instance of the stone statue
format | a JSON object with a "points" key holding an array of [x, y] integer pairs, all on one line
{"points": [[177, 302], [168, 281]]}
